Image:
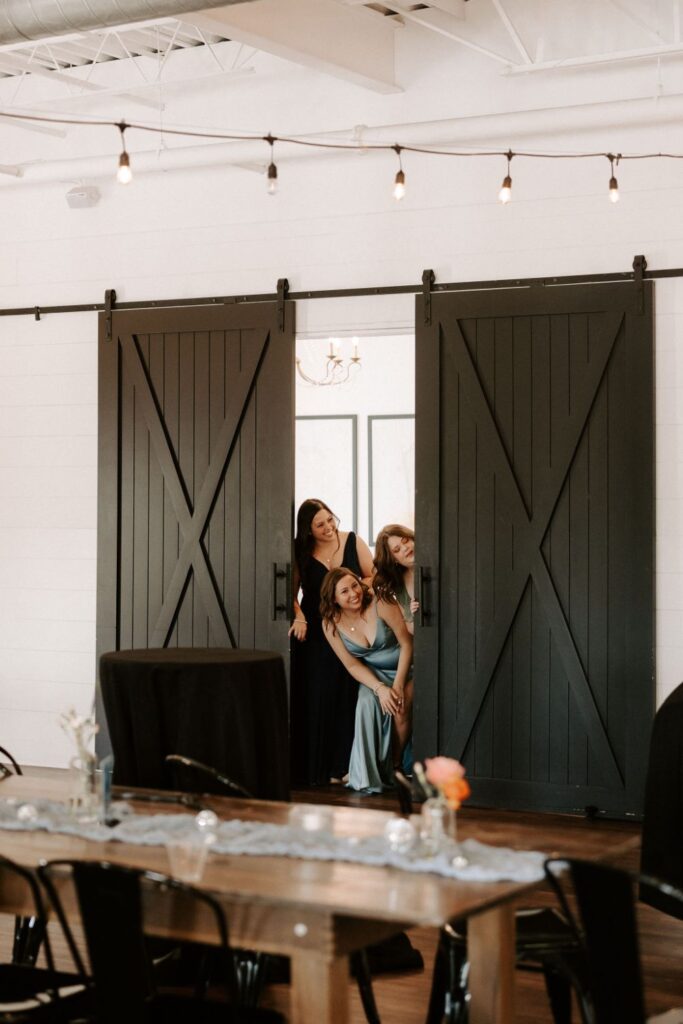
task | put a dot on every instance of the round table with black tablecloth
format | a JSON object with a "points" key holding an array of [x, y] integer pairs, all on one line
{"points": [[224, 707]]}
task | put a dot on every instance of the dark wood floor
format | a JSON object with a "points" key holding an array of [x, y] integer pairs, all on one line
{"points": [[402, 999]]}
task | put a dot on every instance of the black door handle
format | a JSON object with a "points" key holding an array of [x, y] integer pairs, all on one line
{"points": [[280, 572], [422, 581]]}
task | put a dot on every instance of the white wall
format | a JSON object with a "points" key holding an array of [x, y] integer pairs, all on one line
{"points": [[333, 224], [384, 385], [48, 513]]}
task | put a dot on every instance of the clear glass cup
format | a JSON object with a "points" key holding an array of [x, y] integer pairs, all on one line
{"points": [[187, 854]]}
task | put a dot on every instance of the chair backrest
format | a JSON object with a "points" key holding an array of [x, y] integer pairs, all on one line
{"points": [[662, 836], [606, 928], [13, 768], [404, 792], [114, 902], [189, 774], [18, 875]]}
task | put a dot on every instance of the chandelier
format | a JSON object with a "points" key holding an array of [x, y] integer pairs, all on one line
{"points": [[337, 370]]}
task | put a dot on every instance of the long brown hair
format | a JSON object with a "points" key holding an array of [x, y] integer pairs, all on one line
{"points": [[329, 609], [304, 541], [388, 578]]}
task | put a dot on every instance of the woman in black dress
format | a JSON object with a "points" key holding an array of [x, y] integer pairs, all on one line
{"points": [[324, 697]]}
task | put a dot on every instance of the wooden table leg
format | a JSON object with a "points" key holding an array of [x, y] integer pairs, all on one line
{"points": [[320, 989], [491, 952]]}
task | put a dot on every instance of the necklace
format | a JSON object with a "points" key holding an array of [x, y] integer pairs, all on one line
{"points": [[351, 629]]}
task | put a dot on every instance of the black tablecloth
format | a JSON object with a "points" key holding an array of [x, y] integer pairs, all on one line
{"points": [[224, 707], [663, 818]]}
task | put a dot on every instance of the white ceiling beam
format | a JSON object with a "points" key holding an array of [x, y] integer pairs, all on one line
{"points": [[29, 126], [19, 65], [56, 40], [23, 65], [512, 31], [79, 50], [456, 8], [642, 24], [12, 170], [351, 44], [64, 104], [615, 57], [440, 23]]}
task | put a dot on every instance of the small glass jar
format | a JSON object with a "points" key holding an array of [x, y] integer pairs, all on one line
{"points": [[437, 824]]}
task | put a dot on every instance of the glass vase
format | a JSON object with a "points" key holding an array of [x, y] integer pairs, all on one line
{"points": [[435, 825], [439, 832], [85, 800]]}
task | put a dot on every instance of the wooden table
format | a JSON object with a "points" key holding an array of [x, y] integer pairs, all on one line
{"points": [[317, 912]]}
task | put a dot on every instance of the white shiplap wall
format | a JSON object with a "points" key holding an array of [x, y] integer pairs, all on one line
{"points": [[48, 483]]}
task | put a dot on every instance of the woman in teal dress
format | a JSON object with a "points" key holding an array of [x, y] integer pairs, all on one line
{"points": [[394, 578], [370, 638]]}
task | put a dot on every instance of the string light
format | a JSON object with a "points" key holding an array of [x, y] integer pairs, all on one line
{"points": [[271, 174], [400, 179], [613, 183], [505, 194], [124, 175]]}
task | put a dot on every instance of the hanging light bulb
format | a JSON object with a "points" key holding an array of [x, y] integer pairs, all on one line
{"points": [[613, 183], [271, 173], [505, 194], [400, 179], [272, 179], [124, 175]]}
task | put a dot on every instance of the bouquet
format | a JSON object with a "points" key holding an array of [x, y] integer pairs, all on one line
{"points": [[81, 731], [443, 778]]}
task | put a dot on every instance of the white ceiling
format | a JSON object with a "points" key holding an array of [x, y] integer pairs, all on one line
{"points": [[389, 49], [353, 39]]}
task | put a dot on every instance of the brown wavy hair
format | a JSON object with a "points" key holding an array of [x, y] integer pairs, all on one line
{"points": [[329, 609], [388, 578]]}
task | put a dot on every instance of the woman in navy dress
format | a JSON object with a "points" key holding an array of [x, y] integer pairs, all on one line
{"points": [[370, 638], [324, 697]]}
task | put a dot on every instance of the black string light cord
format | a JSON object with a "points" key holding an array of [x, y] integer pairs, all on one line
{"points": [[396, 148]]}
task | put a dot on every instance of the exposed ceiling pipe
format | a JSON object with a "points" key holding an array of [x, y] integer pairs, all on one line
{"points": [[491, 131], [40, 19]]}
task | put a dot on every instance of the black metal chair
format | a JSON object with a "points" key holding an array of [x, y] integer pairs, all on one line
{"points": [[113, 902], [30, 993], [188, 773], [255, 969], [606, 931], [28, 931], [544, 940], [12, 768]]}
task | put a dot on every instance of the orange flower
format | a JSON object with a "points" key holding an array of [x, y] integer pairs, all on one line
{"points": [[454, 792], [448, 776]]}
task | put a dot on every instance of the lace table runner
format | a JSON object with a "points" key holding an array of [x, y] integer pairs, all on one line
{"points": [[263, 839]]}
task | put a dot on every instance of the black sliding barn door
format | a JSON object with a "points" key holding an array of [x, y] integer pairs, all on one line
{"points": [[196, 469], [534, 512]]}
